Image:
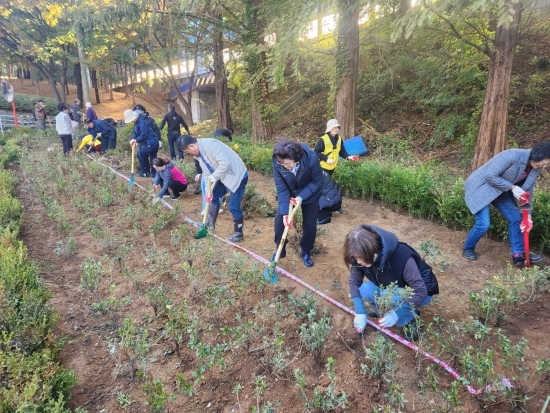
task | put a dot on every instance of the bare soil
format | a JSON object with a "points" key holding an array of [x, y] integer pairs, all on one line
{"points": [[102, 376]]}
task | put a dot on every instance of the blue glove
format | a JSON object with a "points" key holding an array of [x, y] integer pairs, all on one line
{"points": [[389, 319], [360, 322]]}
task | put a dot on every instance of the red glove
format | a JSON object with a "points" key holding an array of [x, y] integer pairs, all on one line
{"points": [[353, 157], [287, 221], [526, 228], [208, 198], [296, 201]]}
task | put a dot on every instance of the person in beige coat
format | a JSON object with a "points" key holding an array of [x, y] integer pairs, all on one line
{"points": [[226, 172]]}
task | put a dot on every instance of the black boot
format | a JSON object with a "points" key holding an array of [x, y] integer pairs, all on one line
{"points": [[238, 231], [213, 211], [308, 262]]}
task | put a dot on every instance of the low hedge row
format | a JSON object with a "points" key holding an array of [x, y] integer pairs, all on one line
{"points": [[421, 190], [33, 379], [26, 103]]}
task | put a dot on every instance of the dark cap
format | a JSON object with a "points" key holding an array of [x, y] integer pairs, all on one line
{"points": [[62, 106]]}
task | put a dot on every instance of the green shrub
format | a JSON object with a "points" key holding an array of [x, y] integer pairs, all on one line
{"points": [[33, 383], [10, 213], [26, 103], [256, 204]]}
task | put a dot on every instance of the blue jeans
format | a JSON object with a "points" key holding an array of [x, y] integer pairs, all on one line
{"points": [[172, 139], [369, 291], [235, 200], [509, 210], [203, 192], [146, 154]]}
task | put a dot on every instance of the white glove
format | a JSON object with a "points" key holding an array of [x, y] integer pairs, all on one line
{"points": [[389, 319], [212, 179], [330, 161], [197, 177], [518, 192], [360, 322]]}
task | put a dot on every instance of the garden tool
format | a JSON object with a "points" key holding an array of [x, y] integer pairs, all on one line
{"points": [[269, 273], [525, 209], [132, 180], [203, 232]]}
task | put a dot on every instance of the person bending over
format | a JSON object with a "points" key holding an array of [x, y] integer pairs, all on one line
{"points": [[168, 177]]}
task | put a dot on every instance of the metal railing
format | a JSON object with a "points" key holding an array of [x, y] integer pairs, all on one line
{"points": [[26, 121]]}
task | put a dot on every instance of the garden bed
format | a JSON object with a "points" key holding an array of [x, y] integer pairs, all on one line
{"points": [[157, 321]]}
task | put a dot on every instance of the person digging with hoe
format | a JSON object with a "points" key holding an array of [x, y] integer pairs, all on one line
{"points": [[505, 178], [226, 172], [298, 180], [378, 255]]}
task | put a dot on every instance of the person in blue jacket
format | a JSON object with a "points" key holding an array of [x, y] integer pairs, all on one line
{"points": [[299, 180], [377, 255], [148, 142], [108, 134]]}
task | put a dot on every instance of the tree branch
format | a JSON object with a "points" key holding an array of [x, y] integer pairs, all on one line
{"points": [[457, 34]]}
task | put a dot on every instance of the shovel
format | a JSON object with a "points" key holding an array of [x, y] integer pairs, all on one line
{"points": [[525, 209], [203, 232], [132, 180], [269, 273]]}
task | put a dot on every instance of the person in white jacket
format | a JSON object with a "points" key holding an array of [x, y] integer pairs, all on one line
{"points": [[64, 127], [226, 172]]}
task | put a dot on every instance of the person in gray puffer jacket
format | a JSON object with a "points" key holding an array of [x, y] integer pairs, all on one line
{"points": [[330, 201]]}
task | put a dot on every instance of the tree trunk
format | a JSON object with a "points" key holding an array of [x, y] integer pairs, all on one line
{"points": [[492, 136], [346, 68], [222, 91], [37, 82], [78, 81], [93, 76], [79, 33], [64, 79], [255, 63]]}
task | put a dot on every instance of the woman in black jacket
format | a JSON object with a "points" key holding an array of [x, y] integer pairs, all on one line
{"points": [[299, 180]]}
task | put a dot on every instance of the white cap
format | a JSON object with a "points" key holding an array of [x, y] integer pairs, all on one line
{"points": [[333, 123], [88, 104], [130, 116]]}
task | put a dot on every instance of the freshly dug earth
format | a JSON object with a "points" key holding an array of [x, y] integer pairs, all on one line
{"points": [[102, 378]]}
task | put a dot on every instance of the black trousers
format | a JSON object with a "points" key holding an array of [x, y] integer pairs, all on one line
{"points": [[309, 226], [67, 142], [175, 186]]}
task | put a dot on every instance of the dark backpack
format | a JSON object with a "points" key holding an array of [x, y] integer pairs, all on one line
{"points": [[153, 126]]}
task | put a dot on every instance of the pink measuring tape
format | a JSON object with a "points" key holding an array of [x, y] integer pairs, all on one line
{"points": [[284, 272]]}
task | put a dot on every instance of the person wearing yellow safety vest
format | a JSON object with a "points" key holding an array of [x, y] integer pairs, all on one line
{"points": [[329, 147]]}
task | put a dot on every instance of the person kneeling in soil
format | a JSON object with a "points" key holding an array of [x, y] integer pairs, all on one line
{"points": [[298, 180], [508, 175], [168, 177], [377, 254], [86, 144], [226, 172]]}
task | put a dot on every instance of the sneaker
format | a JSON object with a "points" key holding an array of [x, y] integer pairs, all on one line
{"points": [[166, 196], [221, 210], [410, 330], [324, 221], [175, 198], [518, 259], [469, 253], [340, 211], [143, 175]]}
